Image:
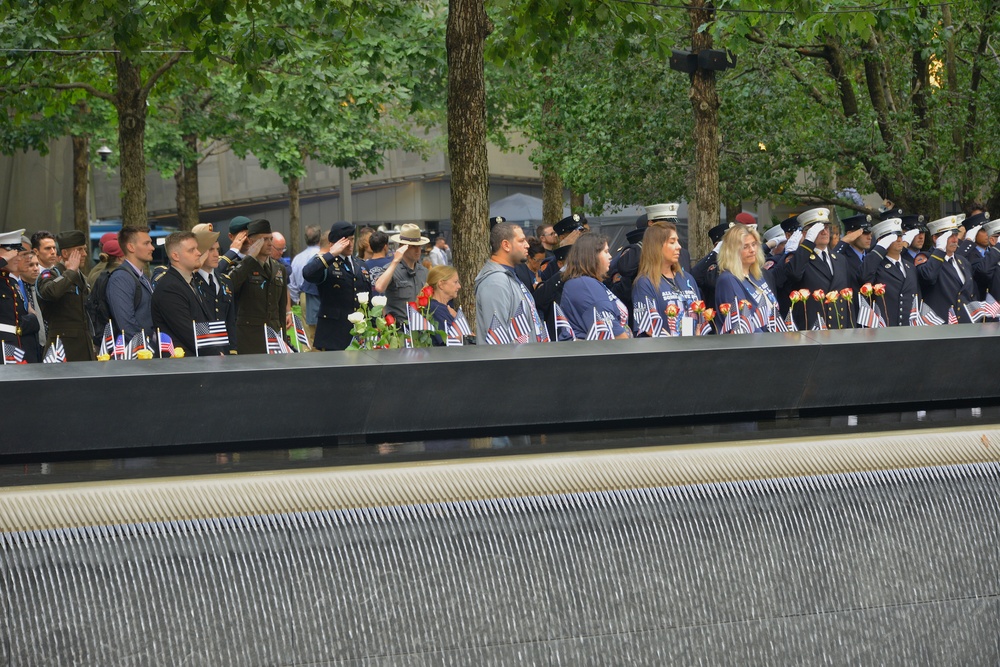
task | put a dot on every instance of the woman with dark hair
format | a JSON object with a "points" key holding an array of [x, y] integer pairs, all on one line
{"points": [[660, 280], [741, 278], [584, 296], [443, 279]]}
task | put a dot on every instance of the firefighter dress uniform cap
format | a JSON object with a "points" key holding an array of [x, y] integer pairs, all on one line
{"points": [[775, 233], [860, 221], [980, 218], [569, 224], [11, 240], [662, 211], [813, 216], [634, 236], [886, 227], [992, 227], [496, 220], [642, 221], [562, 252], [716, 233], [941, 225], [791, 225], [913, 221]]}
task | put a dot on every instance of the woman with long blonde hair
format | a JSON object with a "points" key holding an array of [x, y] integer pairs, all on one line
{"points": [[660, 280], [741, 277]]}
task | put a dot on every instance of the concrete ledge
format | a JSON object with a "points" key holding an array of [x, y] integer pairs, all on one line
{"points": [[404, 394]]}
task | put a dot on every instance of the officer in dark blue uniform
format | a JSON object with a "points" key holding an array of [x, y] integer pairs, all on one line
{"points": [[886, 264], [915, 242], [946, 278], [855, 246], [550, 291], [974, 248], [568, 229], [814, 267], [340, 278], [706, 271], [991, 262]]}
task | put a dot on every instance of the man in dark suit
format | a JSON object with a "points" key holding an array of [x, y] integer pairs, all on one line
{"points": [[946, 278], [215, 290], [813, 267], [886, 264], [855, 245], [340, 279], [176, 302]]}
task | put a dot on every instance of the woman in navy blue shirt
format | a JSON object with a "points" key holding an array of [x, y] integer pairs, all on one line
{"points": [[661, 279], [444, 281], [584, 295], [741, 278]]}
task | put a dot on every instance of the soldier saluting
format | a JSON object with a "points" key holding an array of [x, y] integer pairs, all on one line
{"points": [[62, 293]]}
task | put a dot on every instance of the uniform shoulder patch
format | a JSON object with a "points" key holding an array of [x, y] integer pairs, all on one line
{"points": [[45, 274], [768, 264]]}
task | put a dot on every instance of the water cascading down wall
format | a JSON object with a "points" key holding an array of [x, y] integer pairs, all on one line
{"points": [[880, 550]]}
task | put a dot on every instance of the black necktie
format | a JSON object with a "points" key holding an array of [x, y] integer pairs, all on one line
{"points": [[958, 271], [211, 285]]}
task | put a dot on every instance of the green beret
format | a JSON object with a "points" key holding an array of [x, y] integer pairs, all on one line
{"points": [[238, 224]]}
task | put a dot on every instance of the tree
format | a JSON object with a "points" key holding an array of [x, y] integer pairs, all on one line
{"points": [[468, 28]]}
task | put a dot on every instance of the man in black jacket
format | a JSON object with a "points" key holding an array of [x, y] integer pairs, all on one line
{"points": [[176, 302]]}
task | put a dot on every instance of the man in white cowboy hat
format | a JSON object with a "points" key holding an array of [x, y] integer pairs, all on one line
{"points": [[405, 275], [946, 279]]}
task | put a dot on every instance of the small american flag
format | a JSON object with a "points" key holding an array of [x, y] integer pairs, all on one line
{"points": [[915, 320], [12, 354], [462, 323], [601, 328], [820, 323], [274, 343], [137, 343], [952, 317], [521, 330], [166, 344], [300, 331], [869, 317], [564, 330], [417, 321], [928, 316], [209, 334], [107, 341], [56, 353], [498, 334], [120, 346]]}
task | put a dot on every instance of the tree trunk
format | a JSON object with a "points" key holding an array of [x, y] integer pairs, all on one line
{"points": [[733, 208], [576, 202], [130, 101], [705, 102], [180, 196], [468, 27], [294, 215], [81, 177], [192, 198], [552, 196]]}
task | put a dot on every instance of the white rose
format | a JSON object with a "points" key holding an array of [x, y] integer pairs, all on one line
{"points": [[379, 300], [362, 298], [356, 317]]}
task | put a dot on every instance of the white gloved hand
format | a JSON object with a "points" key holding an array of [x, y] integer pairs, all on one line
{"points": [[886, 241], [793, 241], [814, 231], [942, 242], [909, 235], [717, 248], [971, 234]]}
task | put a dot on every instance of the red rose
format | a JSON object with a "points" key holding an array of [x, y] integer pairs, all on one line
{"points": [[709, 314], [879, 289], [412, 304], [423, 300], [390, 320], [724, 308], [427, 291]]}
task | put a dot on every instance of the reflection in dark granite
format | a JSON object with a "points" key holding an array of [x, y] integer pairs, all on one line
{"points": [[400, 452], [901, 567]]}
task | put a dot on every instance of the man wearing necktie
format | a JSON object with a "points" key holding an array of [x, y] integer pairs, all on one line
{"points": [[886, 264], [129, 292], [215, 289], [855, 245], [975, 248], [18, 326], [946, 278], [814, 267]]}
